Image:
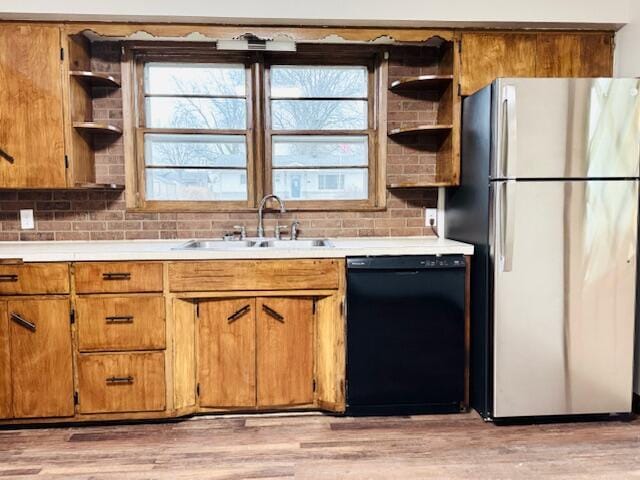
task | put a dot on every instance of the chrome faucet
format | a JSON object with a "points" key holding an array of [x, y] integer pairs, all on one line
{"points": [[261, 208]]}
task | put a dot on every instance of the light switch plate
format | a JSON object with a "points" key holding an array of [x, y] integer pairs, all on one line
{"points": [[26, 219], [430, 214]]}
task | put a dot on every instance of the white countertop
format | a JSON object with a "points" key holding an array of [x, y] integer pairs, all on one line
{"points": [[73, 251]]}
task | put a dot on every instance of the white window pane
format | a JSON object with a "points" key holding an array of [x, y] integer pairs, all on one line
{"points": [[319, 81], [195, 150], [321, 184], [322, 151], [199, 113], [319, 114], [195, 185], [194, 79]]}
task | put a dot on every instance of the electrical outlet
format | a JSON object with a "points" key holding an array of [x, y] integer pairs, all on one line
{"points": [[430, 217], [26, 219]]}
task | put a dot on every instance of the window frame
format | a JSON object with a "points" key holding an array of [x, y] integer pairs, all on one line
{"points": [[258, 132]]}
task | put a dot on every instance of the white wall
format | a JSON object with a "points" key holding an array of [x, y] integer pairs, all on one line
{"points": [[628, 43], [587, 13]]}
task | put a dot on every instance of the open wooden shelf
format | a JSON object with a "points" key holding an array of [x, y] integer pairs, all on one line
{"points": [[420, 129], [435, 184], [422, 82], [97, 127], [95, 79], [100, 186]]}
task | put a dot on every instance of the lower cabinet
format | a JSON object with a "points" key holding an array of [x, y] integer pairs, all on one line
{"points": [[255, 352], [38, 373], [121, 382]]}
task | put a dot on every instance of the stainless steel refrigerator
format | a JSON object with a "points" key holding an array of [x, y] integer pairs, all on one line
{"points": [[549, 198]]}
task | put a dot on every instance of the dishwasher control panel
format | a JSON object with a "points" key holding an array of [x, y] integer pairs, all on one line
{"points": [[407, 262]]}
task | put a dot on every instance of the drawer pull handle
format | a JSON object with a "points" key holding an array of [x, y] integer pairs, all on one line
{"points": [[22, 322], [238, 314], [128, 380], [9, 278], [116, 276], [272, 313], [122, 319]]}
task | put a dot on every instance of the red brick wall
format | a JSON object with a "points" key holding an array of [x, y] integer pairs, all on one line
{"points": [[96, 215]]}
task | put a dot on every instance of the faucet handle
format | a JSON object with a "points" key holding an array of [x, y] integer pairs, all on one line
{"points": [[294, 230], [278, 230], [242, 230]]}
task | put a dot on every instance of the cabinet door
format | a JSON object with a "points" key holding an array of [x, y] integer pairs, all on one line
{"points": [[40, 340], [226, 353], [487, 56], [31, 119], [5, 366], [574, 55], [284, 328]]}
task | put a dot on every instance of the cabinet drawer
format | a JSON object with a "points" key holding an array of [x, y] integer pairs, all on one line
{"points": [[127, 382], [33, 278], [301, 274], [120, 323], [115, 277]]}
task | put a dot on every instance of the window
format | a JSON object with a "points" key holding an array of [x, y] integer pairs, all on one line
{"points": [[217, 131]]}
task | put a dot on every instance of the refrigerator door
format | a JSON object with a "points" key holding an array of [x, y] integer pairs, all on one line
{"points": [[562, 127], [564, 296]]}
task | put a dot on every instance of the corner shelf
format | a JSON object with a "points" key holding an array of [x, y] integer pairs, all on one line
{"points": [[97, 128], [407, 185], [421, 82], [95, 79], [420, 129], [100, 186]]}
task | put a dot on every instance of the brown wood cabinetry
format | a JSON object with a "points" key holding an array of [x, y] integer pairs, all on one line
{"points": [[32, 153], [118, 277], [41, 369], [34, 279], [227, 353], [122, 382], [5, 364], [120, 323], [284, 332], [489, 55], [256, 352]]}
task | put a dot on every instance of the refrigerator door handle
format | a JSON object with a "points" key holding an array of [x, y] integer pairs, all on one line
{"points": [[511, 134], [508, 228]]}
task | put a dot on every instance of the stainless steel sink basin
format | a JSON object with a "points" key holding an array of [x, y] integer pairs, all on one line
{"points": [[306, 243], [217, 244]]}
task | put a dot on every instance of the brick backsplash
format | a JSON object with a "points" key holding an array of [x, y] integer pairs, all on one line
{"points": [[101, 215]]}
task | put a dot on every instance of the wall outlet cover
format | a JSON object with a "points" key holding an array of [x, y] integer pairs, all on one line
{"points": [[430, 217], [26, 219]]}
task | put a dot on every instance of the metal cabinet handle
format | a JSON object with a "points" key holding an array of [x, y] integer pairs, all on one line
{"points": [[232, 318], [116, 276], [272, 313], [6, 156], [128, 380], [22, 322], [120, 319], [9, 278]]}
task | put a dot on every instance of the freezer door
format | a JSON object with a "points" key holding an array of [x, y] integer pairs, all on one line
{"points": [[561, 127], [564, 296]]}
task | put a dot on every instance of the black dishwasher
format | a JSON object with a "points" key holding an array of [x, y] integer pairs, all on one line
{"points": [[405, 335]]}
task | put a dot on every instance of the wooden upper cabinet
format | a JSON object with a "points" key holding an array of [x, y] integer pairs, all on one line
{"points": [[227, 353], [284, 332], [31, 119], [41, 371], [574, 55], [486, 56]]}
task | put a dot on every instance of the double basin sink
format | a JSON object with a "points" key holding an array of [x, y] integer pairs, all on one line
{"points": [[258, 243]]}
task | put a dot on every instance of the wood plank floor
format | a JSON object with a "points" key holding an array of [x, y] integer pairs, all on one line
{"points": [[325, 447]]}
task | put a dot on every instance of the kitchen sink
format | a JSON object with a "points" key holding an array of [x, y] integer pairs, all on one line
{"points": [[217, 244], [307, 243], [243, 244]]}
